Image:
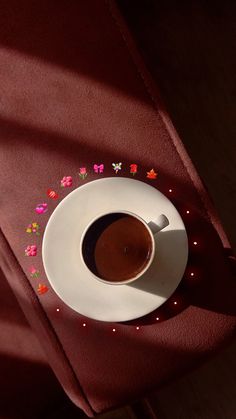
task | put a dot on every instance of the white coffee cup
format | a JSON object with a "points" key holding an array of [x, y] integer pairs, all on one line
{"points": [[153, 227]]}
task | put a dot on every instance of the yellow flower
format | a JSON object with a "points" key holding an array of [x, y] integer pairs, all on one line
{"points": [[28, 230], [34, 225]]}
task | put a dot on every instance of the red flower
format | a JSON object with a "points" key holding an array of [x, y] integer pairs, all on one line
{"points": [[152, 174], [133, 168], [52, 194]]}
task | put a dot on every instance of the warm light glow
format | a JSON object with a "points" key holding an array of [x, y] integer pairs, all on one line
{"points": [[175, 302], [157, 318], [74, 80], [58, 309], [137, 328], [84, 324], [187, 212], [195, 243], [170, 190], [113, 330], [192, 274]]}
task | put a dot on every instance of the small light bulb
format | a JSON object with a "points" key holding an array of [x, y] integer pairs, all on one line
{"points": [[137, 328], [175, 303], [195, 243], [113, 330], [170, 190], [157, 318], [192, 274], [58, 309], [187, 212], [84, 324]]}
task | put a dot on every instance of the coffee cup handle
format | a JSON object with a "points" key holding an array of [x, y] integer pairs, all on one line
{"points": [[158, 224]]}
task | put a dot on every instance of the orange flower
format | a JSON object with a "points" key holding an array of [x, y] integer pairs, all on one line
{"points": [[152, 174], [42, 289]]}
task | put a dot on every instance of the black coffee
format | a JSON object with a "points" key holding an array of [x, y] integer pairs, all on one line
{"points": [[117, 247]]}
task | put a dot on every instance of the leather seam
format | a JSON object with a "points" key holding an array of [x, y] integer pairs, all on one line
{"points": [[193, 174]]}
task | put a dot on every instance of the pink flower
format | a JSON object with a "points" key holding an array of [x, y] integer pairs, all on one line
{"points": [[41, 208], [83, 172], [66, 181], [31, 250], [34, 272]]}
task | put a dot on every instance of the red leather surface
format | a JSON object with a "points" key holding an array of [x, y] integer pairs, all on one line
{"points": [[28, 386], [72, 95]]}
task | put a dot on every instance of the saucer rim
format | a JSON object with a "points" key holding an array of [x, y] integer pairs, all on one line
{"points": [[52, 282]]}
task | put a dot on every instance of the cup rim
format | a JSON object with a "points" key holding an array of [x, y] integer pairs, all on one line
{"points": [[141, 273]]}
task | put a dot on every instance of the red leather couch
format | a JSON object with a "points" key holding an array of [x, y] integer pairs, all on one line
{"points": [[74, 90]]}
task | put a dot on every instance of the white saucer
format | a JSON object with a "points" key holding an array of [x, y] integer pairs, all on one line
{"points": [[71, 279]]}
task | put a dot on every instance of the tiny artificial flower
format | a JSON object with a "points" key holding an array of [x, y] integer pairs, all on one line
{"points": [[66, 182], [42, 289], [52, 194], [98, 168], [33, 228], [31, 250], [83, 172], [133, 169], [151, 174], [41, 208], [117, 166], [33, 272]]}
